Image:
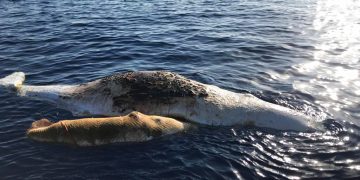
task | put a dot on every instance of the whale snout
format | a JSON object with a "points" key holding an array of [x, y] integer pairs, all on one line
{"points": [[44, 131]]}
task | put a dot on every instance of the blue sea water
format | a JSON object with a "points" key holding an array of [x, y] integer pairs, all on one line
{"points": [[303, 54]]}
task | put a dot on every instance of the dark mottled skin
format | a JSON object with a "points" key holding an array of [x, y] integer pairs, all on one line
{"points": [[156, 85], [142, 91], [152, 88]]}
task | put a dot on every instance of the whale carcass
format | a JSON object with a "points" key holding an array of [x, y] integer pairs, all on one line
{"points": [[164, 94]]}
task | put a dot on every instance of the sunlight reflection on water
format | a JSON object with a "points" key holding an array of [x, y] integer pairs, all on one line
{"points": [[335, 67]]}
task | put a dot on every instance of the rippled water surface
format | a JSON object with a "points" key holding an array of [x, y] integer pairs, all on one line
{"points": [[301, 54]]}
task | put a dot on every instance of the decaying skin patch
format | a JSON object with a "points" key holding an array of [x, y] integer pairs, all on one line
{"points": [[143, 85], [134, 90], [144, 89], [41, 123], [135, 127]]}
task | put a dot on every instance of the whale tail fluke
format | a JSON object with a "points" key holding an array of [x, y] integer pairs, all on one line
{"points": [[13, 81]]}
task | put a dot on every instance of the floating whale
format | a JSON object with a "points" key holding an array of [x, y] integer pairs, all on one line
{"points": [[164, 94], [134, 127]]}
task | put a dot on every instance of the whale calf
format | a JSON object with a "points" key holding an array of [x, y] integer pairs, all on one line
{"points": [[164, 94], [134, 127]]}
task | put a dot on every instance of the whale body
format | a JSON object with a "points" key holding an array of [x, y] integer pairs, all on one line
{"points": [[134, 127], [166, 94]]}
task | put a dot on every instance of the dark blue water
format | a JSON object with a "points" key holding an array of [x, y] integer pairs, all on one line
{"points": [[300, 54]]}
